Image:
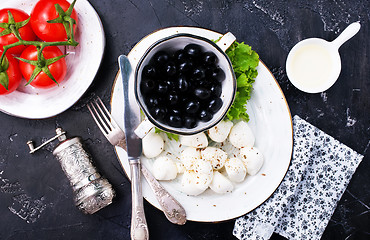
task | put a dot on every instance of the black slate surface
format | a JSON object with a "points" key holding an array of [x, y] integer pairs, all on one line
{"points": [[36, 201]]}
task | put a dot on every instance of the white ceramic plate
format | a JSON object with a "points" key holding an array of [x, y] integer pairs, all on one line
{"points": [[270, 121], [82, 64]]}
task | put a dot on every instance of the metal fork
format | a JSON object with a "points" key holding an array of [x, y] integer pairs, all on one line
{"points": [[173, 210]]}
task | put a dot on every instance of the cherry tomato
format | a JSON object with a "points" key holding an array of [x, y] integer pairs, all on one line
{"points": [[58, 69], [25, 31], [44, 11], [14, 75]]}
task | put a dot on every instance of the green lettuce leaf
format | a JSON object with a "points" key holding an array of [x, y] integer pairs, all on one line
{"points": [[245, 62]]}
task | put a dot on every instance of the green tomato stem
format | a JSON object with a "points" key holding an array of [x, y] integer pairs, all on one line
{"points": [[15, 31], [1, 61], [40, 58]]}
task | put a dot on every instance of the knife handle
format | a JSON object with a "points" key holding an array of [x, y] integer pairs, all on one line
{"points": [[173, 210], [139, 227]]}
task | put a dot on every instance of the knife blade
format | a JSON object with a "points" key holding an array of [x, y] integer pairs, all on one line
{"points": [[139, 228], [131, 110]]}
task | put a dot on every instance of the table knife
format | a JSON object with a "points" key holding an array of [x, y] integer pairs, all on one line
{"points": [[139, 227], [172, 209]]}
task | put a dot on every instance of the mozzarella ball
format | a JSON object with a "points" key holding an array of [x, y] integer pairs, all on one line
{"points": [[215, 156], [153, 145], [193, 183], [180, 167], [189, 156], [198, 140], [235, 169], [220, 183], [220, 132], [252, 158], [203, 166], [241, 135], [164, 168]]}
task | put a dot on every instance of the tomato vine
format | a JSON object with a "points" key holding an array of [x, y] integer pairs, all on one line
{"points": [[12, 27]]}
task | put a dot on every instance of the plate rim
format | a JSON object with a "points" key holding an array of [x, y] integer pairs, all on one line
{"points": [[279, 88], [66, 107]]}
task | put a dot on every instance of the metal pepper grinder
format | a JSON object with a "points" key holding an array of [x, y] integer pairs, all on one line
{"points": [[92, 192]]}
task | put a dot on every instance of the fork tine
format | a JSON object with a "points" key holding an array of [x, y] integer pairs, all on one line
{"points": [[112, 121], [94, 113], [104, 114]]}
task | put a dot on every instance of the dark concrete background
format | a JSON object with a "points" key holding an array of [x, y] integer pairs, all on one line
{"points": [[35, 196]]}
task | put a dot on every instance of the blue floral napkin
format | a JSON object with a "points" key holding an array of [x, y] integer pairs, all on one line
{"points": [[301, 207]]}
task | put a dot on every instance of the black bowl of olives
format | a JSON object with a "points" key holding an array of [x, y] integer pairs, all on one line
{"points": [[185, 84]]}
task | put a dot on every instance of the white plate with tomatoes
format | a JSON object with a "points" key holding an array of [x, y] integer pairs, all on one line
{"points": [[82, 64]]}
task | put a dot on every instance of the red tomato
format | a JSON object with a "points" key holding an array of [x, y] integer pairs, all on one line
{"points": [[57, 69], [44, 11], [25, 31], [14, 75]]}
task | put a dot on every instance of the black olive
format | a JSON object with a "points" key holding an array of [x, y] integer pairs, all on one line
{"points": [[161, 58], [149, 71], [216, 90], [205, 116], [209, 71], [192, 106], [215, 105], [218, 74], [173, 98], [174, 121], [159, 113], [198, 73], [185, 66], [203, 83], [209, 58], [189, 122], [180, 55], [170, 69], [162, 87], [170, 84], [153, 101], [147, 85], [184, 99], [193, 50], [182, 83], [175, 111], [202, 93]]}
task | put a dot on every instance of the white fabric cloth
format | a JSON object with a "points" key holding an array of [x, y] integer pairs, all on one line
{"points": [[303, 204]]}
